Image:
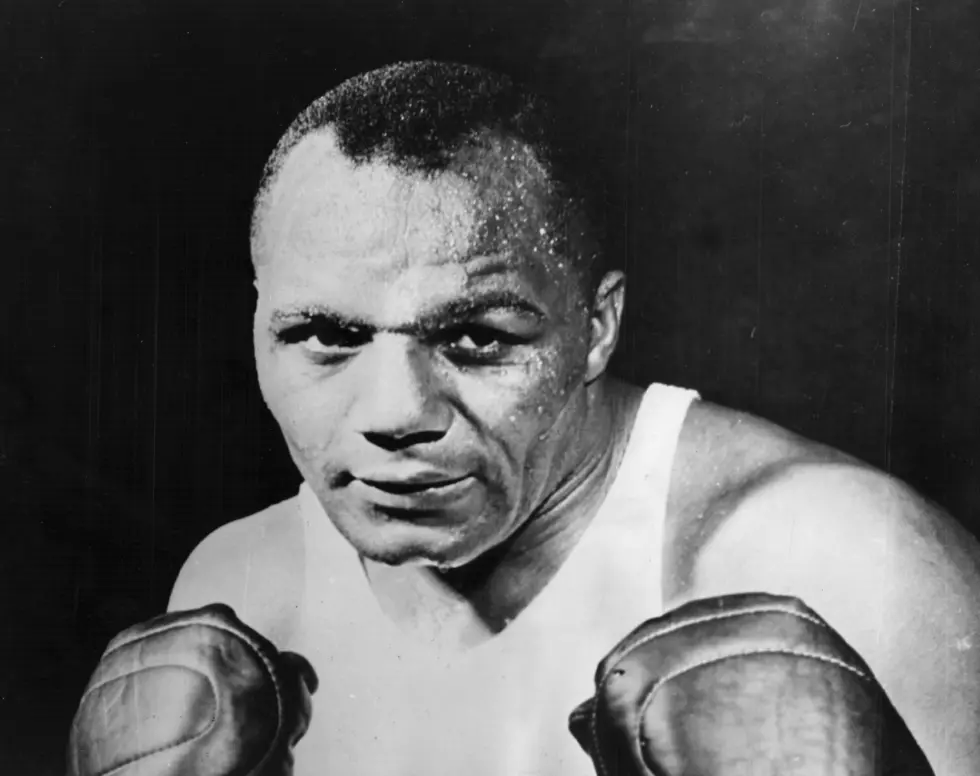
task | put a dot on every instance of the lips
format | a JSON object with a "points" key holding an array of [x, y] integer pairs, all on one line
{"points": [[416, 490], [411, 485]]}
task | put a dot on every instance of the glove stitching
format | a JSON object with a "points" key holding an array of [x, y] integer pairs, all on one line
{"points": [[714, 618], [150, 753], [182, 623], [124, 674], [676, 627], [117, 677], [256, 648], [648, 699], [600, 760]]}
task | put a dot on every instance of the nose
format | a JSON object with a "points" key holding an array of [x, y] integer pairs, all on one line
{"points": [[400, 399]]}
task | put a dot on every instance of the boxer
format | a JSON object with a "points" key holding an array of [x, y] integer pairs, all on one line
{"points": [[501, 559]]}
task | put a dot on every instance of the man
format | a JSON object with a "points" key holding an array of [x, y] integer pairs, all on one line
{"points": [[486, 513]]}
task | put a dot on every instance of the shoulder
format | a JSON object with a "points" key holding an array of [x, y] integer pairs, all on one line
{"points": [[254, 564], [722, 455], [894, 574], [747, 489], [838, 523]]}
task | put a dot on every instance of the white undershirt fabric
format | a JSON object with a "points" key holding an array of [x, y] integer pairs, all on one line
{"points": [[391, 705]]}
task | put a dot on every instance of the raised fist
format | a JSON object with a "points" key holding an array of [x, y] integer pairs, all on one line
{"points": [[194, 693], [742, 685]]}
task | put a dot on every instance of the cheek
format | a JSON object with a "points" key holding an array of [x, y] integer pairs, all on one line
{"points": [[558, 375], [523, 403], [308, 417]]}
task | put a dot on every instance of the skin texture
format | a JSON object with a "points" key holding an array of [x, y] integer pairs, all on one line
{"points": [[755, 508], [398, 327], [536, 425]]}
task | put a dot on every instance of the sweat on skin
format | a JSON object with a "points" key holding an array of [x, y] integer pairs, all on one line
{"points": [[442, 324]]}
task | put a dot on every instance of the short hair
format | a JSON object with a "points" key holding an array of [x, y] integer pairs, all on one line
{"points": [[422, 118]]}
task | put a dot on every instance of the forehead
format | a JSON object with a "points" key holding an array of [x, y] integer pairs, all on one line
{"points": [[322, 204], [370, 226]]}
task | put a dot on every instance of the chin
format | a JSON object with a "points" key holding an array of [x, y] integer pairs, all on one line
{"points": [[445, 543], [411, 559], [439, 552], [401, 545]]}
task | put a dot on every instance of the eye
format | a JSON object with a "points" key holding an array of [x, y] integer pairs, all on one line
{"points": [[479, 344], [478, 338], [323, 337]]}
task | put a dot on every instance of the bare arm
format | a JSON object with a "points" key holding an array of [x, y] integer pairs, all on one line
{"points": [[899, 579]]}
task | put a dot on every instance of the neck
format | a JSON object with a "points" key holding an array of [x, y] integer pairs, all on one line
{"points": [[468, 604]]}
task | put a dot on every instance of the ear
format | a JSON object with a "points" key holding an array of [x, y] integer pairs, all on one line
{"points": [[605, 321]]}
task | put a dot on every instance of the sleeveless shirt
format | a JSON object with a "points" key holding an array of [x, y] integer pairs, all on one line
{"points": [[389, 704]]}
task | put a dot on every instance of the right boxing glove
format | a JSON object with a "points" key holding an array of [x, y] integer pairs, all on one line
{"points": [[194, 693]]}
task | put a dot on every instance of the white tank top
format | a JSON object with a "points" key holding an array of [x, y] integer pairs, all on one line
{"points": [[387, 704]]}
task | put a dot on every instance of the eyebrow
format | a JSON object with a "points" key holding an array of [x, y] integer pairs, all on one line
{"points": [[454, 311]]}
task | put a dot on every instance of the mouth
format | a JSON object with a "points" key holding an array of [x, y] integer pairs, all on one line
{"points": [[417, 495], [411, 486]]}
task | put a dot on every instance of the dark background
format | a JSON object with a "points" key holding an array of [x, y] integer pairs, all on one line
{"points": [[800, 190]]}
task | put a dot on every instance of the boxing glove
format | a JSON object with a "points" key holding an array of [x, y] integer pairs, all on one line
{"points": [[194, 693], [742, 685]]}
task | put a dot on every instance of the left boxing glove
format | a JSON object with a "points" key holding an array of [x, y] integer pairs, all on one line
{"points": [[194, 693], [742, 685]]}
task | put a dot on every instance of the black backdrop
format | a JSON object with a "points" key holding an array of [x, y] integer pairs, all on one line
{"points": [[800, 186]]}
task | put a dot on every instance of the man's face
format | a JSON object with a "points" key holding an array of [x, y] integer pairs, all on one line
{"points": [[429, 388]]}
